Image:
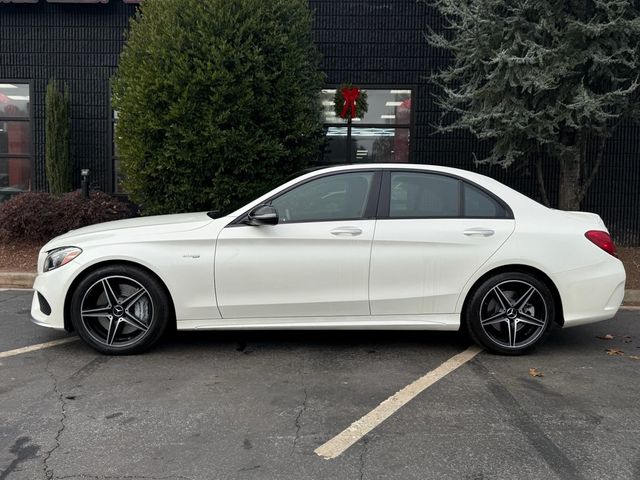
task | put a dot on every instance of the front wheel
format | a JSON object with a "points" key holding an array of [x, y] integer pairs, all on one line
{"points": [[510, 313], [119, 309]]}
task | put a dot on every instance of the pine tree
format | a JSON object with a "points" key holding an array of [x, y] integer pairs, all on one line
{"points": [[57, 139], [541, 78], [218, 100]]}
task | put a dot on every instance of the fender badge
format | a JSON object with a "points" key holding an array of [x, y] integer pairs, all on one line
{"points": [[191, 255]]}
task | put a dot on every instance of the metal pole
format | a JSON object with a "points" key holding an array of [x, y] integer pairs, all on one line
{"points": [[349, 139], [84, 184]]}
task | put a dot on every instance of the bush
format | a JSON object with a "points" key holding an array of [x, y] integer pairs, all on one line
{"points": [[217, 101], [57, 139], [39, 217]]}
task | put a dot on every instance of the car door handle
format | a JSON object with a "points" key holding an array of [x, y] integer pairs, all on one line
{"points": [[346, 231], [479, 232]]}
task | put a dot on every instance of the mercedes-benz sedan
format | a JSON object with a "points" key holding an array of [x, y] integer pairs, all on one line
{"points": [[353, 247]]}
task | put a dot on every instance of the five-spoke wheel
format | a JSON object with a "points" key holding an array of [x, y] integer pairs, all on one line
{"points": [[119, 309], [510, 312]]}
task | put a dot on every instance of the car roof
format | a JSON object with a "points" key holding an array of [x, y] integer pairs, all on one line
{"points": [[389, 166], [474, 176]]}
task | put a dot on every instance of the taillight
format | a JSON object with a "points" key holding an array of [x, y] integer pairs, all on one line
{"points": [[603, 240]]}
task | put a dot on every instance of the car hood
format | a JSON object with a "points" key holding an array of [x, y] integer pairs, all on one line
{"points": [[131, 228]]}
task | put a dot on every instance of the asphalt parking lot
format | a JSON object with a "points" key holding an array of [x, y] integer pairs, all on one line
{"points": [[255, 405]]}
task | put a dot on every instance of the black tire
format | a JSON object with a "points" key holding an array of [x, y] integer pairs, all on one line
{"points": [[500, 317], [120, 309]]}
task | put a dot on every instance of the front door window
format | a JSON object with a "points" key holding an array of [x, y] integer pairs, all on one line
{"points": [[335, 197]]}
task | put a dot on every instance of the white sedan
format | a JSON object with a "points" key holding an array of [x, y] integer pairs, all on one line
{"points": [[353, 247]]}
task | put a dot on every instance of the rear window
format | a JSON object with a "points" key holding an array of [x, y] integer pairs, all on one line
{"points": [[416, 195]]}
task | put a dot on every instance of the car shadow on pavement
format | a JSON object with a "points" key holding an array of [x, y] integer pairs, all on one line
{"points": [[243, 341]]}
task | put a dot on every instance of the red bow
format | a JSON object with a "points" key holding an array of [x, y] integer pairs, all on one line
{"points": [[350, 96]]}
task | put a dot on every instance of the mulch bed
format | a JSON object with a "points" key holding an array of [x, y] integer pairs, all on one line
{"points": [[19, 256], [23, 257], [631, 259]]}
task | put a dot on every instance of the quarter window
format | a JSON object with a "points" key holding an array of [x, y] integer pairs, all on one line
{"points": [[380, 136], [336, 197], [15, 139], [479, 204]]}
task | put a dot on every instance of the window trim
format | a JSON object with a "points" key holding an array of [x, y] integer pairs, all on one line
{"points": [[30, 120], [369, 211], [395, 126], [384, 203]]}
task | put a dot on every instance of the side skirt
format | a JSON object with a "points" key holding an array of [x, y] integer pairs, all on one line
{"points": [[379, 322]]}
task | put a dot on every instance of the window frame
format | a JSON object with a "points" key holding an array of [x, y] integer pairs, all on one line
{"points": [[369, 211], [384, 201], [395, 126], [29, 120]]}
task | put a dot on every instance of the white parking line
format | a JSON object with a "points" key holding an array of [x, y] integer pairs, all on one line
{"points": [[358, 429], [38, 346]]}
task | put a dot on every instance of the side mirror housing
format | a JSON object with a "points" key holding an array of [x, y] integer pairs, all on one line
{"points": [[263, 215]]}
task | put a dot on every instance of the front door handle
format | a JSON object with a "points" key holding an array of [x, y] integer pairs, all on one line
{"points": [[479, 232], [346, 231]]}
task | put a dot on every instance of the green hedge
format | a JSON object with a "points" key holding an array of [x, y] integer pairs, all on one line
{"points": [[217, 101], [57, 139]]}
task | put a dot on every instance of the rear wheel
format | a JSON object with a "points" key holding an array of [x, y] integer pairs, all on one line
{"points": [[119, 309], [510, 313]]}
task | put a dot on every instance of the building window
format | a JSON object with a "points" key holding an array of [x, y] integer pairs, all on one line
{"points": [[15, 139], [118, 176], [382, 135]]}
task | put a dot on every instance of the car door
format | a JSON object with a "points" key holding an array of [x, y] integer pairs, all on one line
{"points": [[313, 262], [433, 232]]}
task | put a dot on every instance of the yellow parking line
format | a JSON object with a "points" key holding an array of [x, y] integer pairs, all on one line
{"points": [[358, 429], [38, 346]]}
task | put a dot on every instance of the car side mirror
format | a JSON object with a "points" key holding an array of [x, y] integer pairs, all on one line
{"points": [[263, 215]]}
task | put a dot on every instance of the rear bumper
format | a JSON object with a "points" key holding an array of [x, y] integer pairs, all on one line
{"points": [[591, 294]]}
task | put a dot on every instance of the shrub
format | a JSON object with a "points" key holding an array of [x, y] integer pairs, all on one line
{"points": [[57, 139], [217, 100], [38, 217]]}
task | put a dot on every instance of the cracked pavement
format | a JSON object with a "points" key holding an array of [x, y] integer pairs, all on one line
{"points": [[255, 405]]}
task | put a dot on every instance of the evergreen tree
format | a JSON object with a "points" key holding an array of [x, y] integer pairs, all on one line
{"points": [[57, 139], [541, 78], [217, 101]]}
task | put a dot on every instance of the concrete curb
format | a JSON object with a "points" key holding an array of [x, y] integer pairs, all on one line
{"points": [[632, 296], [25, 280], [16, 279]]}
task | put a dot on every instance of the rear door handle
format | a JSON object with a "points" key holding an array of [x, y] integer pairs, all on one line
{"points": [[479, 232], [346, 231]]}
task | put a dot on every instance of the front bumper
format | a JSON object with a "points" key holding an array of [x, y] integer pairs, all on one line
{"points": [[53, 287]]}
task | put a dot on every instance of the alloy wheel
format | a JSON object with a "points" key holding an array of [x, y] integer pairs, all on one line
{"points": [[513, 314], [117, 311]]}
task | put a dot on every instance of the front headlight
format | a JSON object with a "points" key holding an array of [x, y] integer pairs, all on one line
{"points": [[60, 257]]}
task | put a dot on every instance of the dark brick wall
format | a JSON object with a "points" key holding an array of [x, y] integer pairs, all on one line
{"points": [[374, 43], [381, 42], [80, 45]]}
